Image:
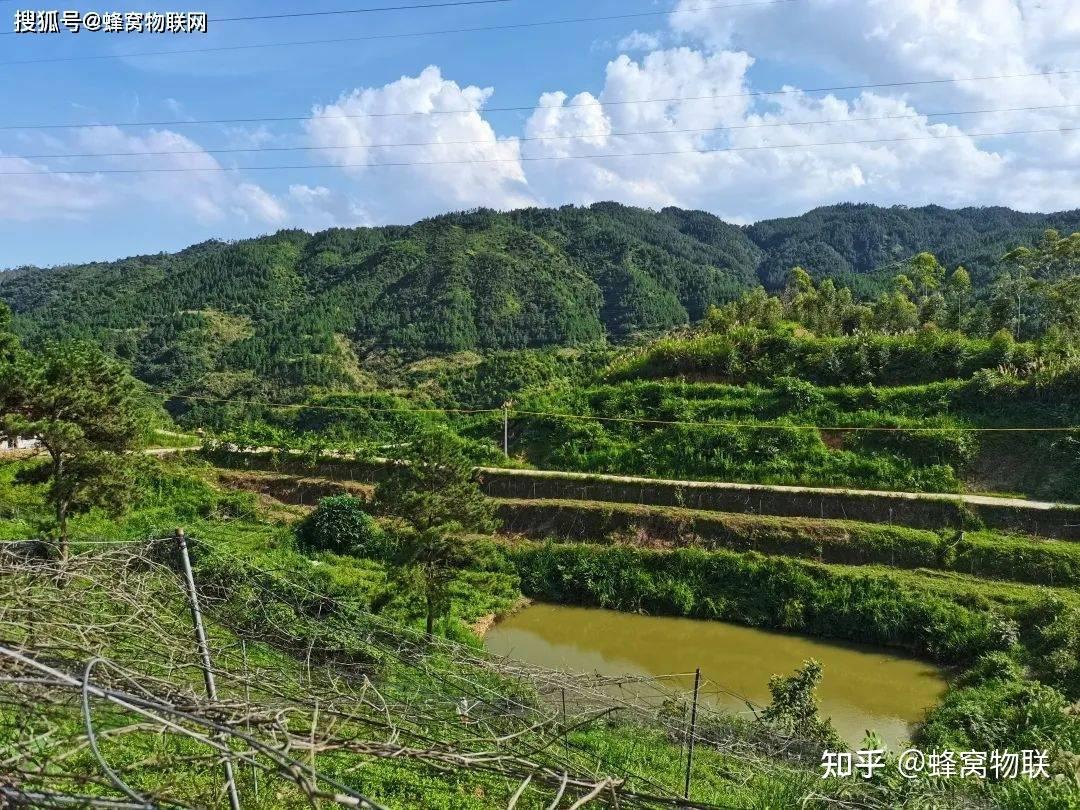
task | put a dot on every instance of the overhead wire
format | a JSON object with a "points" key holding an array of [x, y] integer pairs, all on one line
{"points": [[528, 139], [541, 158], [783, 91], [626, 419], [390, 36], [347, 11]]}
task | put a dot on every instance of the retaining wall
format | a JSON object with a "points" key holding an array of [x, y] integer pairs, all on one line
{"points": [[917, 510]]}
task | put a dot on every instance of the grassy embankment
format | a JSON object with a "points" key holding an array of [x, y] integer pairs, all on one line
{"points": [[748, 406], [286, 606], [1001, 608], [766, 408]]}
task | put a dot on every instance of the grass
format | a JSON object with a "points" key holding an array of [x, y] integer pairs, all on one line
{"points": [[259, 586], [984, 553], [246, 554]]}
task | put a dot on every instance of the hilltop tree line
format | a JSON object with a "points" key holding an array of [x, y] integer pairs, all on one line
{"points": [[1036, 296], [296, 310]]}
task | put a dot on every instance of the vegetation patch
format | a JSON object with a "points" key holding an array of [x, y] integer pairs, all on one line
{"points": [[1022, 559]]}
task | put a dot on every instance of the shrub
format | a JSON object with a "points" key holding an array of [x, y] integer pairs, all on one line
{"points": [[342, 526], [798, 395], [994, 705], [758, 591], [752, 355], [794, 707], [1057, 646]]}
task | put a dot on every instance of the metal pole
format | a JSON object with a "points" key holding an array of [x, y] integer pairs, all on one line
{"points": [[506, 431], [204, 654], [565, 742], [693, 733], [247, 697]]}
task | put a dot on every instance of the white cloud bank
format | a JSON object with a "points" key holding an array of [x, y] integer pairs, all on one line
{"points": [[459, 160], [705, 151], [702, 135], [208, 196]]}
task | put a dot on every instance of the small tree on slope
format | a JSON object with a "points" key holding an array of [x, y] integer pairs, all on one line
{"points": [[435, 498], [86, 412]]}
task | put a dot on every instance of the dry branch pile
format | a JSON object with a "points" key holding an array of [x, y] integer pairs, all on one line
{"points": [[102, 701]]}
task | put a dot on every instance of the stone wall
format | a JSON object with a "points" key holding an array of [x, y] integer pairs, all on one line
{"points": [[921, 511]]}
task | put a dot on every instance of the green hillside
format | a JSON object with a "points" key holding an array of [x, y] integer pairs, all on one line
{"points": [[295, 309], [315, 611], [859, 245]]}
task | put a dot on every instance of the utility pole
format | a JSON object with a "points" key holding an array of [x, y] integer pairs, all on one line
{"points": [[247, 698], [204, 653], [693, 734], [506, 427], [566, 745]]}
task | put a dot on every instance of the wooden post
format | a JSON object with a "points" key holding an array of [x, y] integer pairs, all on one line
{"points": [[693, 734], [506, 426], [204, 654], [247, 697], [566, 744]]}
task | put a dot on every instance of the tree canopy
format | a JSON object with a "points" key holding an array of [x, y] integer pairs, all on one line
{"points": [[294, 310], [89, 415], [433, 496]]}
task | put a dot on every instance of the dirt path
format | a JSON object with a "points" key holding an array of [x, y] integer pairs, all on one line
{"points": [[953, 497]]}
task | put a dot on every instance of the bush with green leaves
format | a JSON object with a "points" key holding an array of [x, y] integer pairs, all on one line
{"points": [[341, 525], [996, 704], [793, 710], [748, 588]]}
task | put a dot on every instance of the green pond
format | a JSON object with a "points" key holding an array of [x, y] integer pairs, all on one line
{"points": [[863, 687]]}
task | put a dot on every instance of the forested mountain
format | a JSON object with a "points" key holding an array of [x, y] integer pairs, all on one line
{"points": [[859, 245], [296, 307]]}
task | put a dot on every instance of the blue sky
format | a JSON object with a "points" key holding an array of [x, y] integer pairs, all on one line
{"points": [[703, 48]]}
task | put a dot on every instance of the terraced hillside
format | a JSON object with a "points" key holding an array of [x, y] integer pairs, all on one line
{"points": [[363, 521], [327, 691], [981, 601], [932, 412]]}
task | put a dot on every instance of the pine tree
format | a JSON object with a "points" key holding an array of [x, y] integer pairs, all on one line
{"points": [[432, 492]]}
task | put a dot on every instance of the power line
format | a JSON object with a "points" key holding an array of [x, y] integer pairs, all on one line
{"points": [[530, 107], [371, 10], [621, 419], [305, 406], [528, 139], [402, 35], [538, 158], [415, 6]]}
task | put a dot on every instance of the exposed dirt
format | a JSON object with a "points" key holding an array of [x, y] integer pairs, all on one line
{"points": [[482, 625], [292, 489], [1011, 464]]}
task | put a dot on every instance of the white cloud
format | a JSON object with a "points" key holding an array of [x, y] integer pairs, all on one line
{"points": [[885, 40], [176, 107], [639, 41], [458, 161], [697, 143], [704, 165], [702, 133], [210, 196], [934, 42], [319, 207], [25, 198], [193, 180]]}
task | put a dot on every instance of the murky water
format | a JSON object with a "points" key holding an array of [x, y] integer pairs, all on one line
{"points": [[863, 687]]}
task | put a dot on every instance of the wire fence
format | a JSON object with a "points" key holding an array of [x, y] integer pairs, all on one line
{"points": [[103, 698]]}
